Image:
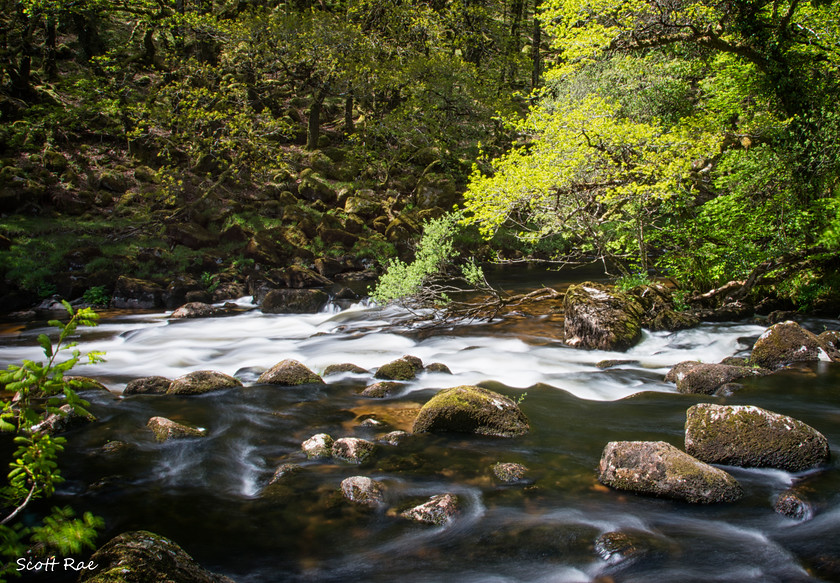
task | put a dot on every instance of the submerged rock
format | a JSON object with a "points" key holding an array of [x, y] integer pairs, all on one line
{"points": [[705, 379], [660, 469], [600, 317], [381, 389], [622, 547], [142, 557], [284, 472], [509, 473], [402, 369], [154, 385], [363, 490], [166, 429], [470, 409], [394, 437], [353, 449], [290, 373], [792, 504], [318, 446], [200, 382], [786, 343], [748, 436], [438, 510]]}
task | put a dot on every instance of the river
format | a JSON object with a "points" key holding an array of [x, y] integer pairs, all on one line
{"points": [[208, 494]]}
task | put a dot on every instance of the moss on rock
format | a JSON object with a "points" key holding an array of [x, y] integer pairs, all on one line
{"points": [[344, 367], [470, 409], [381, 389], [402, 369], [166, 429], [154, 385], [200, 382], [290, 373], [705, 379], [785, 343], [363, 490], [601, 317]]}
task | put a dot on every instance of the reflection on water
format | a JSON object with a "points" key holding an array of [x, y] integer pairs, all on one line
{"points": [[210, 494]]}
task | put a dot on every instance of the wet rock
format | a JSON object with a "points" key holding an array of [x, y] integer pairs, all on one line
{"points": [[470, 409], [166, 429], [200, 382], [117, 448], [600, 317], [142, 557], [614, 362], [830, 339], [620, 547], [68, 418], [438, 510], [509, 473], [294, 301], [298, 277], [790, 503], [194, 310], [381, 389], [438, 367], [748, 436], [660, 469], [318, 446], [284, 472], [786, 343], [344, 367], [136, 294], [290, 373], [363, 490], [154, 385], [394, 437], [370, 422], [704, 379], [353, 449], [402, 369], [659, 311], [679, 370]]}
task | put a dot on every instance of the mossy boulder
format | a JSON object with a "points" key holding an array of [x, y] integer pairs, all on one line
{"points": [[705, 379], [509, 473], [202, 381], [367, 208], [344, 367], [318, 446], [353, 449], [402, 369], [381, 389], [660, 313], [193, 310], [313, 188], [438, 367], [600, 317], [142, 557], [438, 510], [154, 385], [748, 436], [660, 469], [290, 373], [294, 301], [470, 409], [786, 343], [298, 277], [166, 429], [363, 490]]}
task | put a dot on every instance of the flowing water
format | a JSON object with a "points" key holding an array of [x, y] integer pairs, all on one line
{"points": [[209, 494]]}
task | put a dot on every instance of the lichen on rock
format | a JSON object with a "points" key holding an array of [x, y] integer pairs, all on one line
{"points": [[353, 449], [318, 446], [166, 429], [438, 510], [363, 490], [471, 409], [786, 343]]}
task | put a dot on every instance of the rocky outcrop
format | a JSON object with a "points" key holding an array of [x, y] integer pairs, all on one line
{"points": [[748, 436], [200, 382], [318, 446], [438, 510], [786, 343], [141, 557], [363, 490], [402, 369], [194, 310], [294, 301], [353, 449], [601, 317], [660, 469], [290, 373], [166, 429], [154, 385], [705, 379], [509, 473], [470, 409], [381, 389]]}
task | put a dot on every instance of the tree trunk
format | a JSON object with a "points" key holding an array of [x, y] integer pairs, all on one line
{"points": [[349, 127], [513, 47], [536, 69], [313, 128]]}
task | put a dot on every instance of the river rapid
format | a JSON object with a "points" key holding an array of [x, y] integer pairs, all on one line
{"points": [[209, 494]]}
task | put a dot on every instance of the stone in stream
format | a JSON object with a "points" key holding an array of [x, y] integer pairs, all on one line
{"points": [[600, 317], [200, 382], [402, 369], [437, 367], [748, 436], [193, 310], [294, 301], [793, 504], [318, 446], [166, 429], [438, 510], [786, 343], [470, 409], [344, 367], [353, 449], [363, 490], [283, 472], [154, 385], [704, 379], [141, 557], [509, 473], [66, 419], [660, 469], [381, 389], [394, 437], [290, 373]]}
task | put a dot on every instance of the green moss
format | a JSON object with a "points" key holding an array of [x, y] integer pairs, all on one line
{"points": [[470, 409]]}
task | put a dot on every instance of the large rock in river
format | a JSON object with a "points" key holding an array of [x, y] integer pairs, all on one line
{"points": [[141, 557], [705, 378], [290, 373], [166, 429], [601, 317], [470, 409], [660, 469], [363, 490], [402, 369], [294, 301], [748, 436], [788, 342], [200, 382]]}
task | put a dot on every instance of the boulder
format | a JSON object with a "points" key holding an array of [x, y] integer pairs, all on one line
{"points": [[153, 385], [194, 310], [601, 317], [704, 379], [344, 367], [394, 437], [367, 208], [136, 294], [793, 504], [786, 343], [381, 389], [313, 188], [141, 557], [166, 429], [353, 449], [318, 446], [748, 436], [289, 373], [283, 472], [200, 382], [363, 490], [294, 301], [438, 367], [402, 369], [659, 310], [191, 235], [660, 469], [470, 409], [509, 473], [438, 510], [298, 277]]}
